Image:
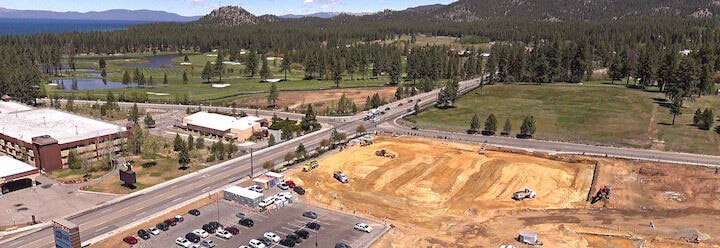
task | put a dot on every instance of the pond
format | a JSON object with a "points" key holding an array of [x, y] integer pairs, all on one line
{"points": [[88, 84]]}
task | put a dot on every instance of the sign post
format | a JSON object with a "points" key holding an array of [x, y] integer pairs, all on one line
{"points": [[67, 234]]}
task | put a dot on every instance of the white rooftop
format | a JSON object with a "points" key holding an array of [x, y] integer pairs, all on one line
{"points": [[10, 166], [236, 190], [62, 126], [10, 107], [221, 122]]}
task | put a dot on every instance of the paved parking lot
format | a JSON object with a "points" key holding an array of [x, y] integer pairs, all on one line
{"points": [[335, 226]]}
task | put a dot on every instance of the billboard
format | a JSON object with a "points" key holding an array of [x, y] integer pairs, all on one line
{"points": [[67, 235]]}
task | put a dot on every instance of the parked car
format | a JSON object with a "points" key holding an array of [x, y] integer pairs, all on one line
{"points": [[223, 233], [192, 237], [299, 190], [290, 183], [170, 222], [304, 234], [215, 225], [287, 195], [340, 176], [313, 225], [162, 226], [183, 242], [287, 242], [244, 246], [143, 234], [256, 243], [246, 222], [341, 245], [256, 188], [283, 186], [153, 231], [208, 243], [232, 230], [310, 214], [266, 202], [363, 227], [265, 241], [196, 246], [387, 109], [201, 233], [179, 218], [272, 236], [194, 212], [130, 240], [208, 228], [294, 238], [280, 199]]}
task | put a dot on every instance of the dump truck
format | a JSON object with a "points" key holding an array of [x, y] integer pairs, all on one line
{"points": [[310, 166], [524, 194], [384, 153], [340, 176]]}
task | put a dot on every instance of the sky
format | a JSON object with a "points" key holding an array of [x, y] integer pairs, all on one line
{"points": [[202, 7]]}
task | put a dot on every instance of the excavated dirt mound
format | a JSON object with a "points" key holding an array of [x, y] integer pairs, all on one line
{"points": [[432, 183]]}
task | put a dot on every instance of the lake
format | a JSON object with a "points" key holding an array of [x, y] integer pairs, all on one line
{"points": [[35, 26]]}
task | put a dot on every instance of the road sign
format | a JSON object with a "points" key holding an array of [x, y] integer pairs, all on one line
{"points": [[67, 234]]}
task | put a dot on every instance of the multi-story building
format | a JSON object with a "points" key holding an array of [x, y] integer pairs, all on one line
{"points": [[44, 137]]}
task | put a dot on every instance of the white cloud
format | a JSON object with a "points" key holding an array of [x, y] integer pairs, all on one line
{"points": [[195, 1], [326, 7], [308, 1]]}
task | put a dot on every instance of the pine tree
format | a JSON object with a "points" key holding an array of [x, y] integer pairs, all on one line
{"points": [[134, 115], [474, 124], [507, 128], [126, 77], [165, 79], [190, 142], [207, 72], [200, 143], [102, 63], [219, 69], [285, 67], [149, 121], [184, 156], [271, 140], [528, 127], [426, 84], [185, 77], [707, 119], [273, 94], [490, 125], [265, 70], [251, 62], [697, 116], [399, 93], [177, 142]]}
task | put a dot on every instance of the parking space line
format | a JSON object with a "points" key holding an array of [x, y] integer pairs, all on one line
{"points": [[281, 233], [291, 230]]}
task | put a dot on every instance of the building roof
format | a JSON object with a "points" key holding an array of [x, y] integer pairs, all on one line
{"points": [[273, 174], [10, 167], [61, 126], [7, 107], [221, 122], [236, 190]]}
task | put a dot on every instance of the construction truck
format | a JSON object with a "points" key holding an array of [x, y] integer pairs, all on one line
{"points": [[602, 194], [338, 175], [384, 153], [310, 166], [524, 194]]}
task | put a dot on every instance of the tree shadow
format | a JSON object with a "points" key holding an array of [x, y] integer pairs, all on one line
{"points": [[664, 123]]}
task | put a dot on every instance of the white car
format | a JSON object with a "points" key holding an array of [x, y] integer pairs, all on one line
{"points": [[154, 231], [272, 236], [183, 242], [208, 243], [279, 198], [287, 195], [363, 227], [267, 202], [201, 233], [283, 186], [256, 243], [223, 233], [256, 188], [244, 246], [196, 246]]}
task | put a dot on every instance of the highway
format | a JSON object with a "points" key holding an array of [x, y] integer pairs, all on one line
{"points": [[155, 199]]}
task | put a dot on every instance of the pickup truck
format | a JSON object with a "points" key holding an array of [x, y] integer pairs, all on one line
{"points": [[338, 175]]}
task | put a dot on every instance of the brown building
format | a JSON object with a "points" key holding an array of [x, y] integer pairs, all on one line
{"points": [[44, 137]]}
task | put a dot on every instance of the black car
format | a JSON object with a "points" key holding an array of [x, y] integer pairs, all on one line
{"points": [[246, 222], [215, 225], [303, 233], [265, 241], [294, 238], [313, 226], [208, 228], [143, 234], [310, 214], [192, 237], [288, 242], [163, 226], [341, 245], [299, 190], [194, 212]]}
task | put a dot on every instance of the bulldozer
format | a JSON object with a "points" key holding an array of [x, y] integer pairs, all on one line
{"points": [[384, 153], [602, 194]]}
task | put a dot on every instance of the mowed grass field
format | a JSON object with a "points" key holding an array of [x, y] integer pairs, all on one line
{"points": [[600, 114]]}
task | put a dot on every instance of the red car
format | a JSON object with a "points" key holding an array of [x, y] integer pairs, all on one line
{"points": [[232, 230], [171, 222], [130, 240], [290, 183]]}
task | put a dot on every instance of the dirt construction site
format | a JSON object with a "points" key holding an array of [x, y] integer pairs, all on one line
{"points": [[441, 194]]}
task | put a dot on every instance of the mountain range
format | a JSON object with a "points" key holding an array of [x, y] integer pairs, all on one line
{"points": [[113, 14], [325, 15]]}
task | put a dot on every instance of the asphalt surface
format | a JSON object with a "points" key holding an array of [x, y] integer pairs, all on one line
{"points": [[107, 218], [335, 226]]}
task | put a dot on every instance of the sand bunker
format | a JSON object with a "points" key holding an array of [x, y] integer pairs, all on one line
{"points": [[431, 182]]}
